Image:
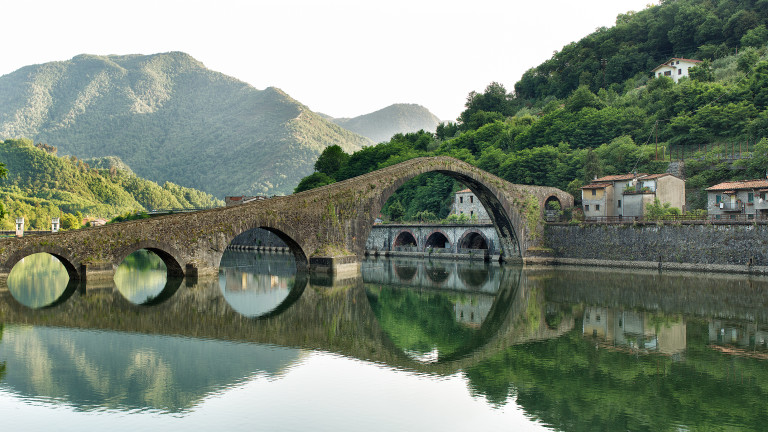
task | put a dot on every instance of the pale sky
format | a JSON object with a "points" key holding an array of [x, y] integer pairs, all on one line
{"points": [[340, 57]]}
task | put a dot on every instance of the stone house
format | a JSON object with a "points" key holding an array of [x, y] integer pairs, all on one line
{"points": [[465, 202], [746, 197], [675, 68], [627, 195]]}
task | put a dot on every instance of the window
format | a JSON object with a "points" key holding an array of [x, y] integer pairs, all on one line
{"points": [[471, 199], [750, 216], [750, 197], [667, 73], [597, 207], [471, 213], [586, 208], [679, 71], [718, 198], [717, 216], [619, 204], [594, 192], [461, 200]]}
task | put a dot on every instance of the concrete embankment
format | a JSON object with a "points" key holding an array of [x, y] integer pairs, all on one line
{"points": [[712, 247]]}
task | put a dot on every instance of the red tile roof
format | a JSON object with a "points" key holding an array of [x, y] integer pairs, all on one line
{"points": [[737, 185], [464, 190], [596, 186], [655, 176]]}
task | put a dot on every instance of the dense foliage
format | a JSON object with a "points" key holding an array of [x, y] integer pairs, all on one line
{"points": [[41, 185], [565, 125], [619, 58]]}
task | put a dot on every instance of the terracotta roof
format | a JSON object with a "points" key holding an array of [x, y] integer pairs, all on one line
{"points": [[655, 176], [743, 184], [596, 186], [464, 191], [618, 177]]}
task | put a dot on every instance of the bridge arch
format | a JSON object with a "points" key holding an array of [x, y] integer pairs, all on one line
{"points": [[170, 256], [437, 239], [299, 254], [502, 210], [405, 238], [70, 263], [473, 239]]}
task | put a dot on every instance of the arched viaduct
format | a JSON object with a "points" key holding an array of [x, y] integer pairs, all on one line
{"points": [[324, 227]]}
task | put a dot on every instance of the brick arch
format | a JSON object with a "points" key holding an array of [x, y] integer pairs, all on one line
{"points": [[302, 261], [171, 257], [70, 263], [552, 198], [405, 231], [435, 232], [470, 232]]}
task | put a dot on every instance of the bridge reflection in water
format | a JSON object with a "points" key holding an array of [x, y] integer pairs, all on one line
{"points": [[560, 343]]}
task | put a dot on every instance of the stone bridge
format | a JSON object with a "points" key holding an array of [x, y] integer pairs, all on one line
{"points": [[326, 228]]}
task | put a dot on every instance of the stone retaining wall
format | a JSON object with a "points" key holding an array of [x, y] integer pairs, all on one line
{"points": [[704, 247]]}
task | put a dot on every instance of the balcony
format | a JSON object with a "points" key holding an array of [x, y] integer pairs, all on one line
{"points": [[730, 207]]}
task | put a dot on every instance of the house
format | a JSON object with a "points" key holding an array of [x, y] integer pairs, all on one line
{"points": [[675, 68], [467, 203], [627, 195], [746, 197]]}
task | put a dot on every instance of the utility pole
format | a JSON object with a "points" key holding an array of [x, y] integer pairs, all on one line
{"points": [[656, 133]]}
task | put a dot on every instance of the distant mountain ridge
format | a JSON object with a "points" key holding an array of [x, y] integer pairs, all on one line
{"points": [[170, 119], [381, 125]]}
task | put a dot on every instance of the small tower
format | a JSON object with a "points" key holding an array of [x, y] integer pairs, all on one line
{"points": [[20, 227], [54, 225]]}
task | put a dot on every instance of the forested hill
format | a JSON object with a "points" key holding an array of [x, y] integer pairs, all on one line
{"points": [[568, 122], [41, 185], [170, 119], [383, 124], [640, 41]]}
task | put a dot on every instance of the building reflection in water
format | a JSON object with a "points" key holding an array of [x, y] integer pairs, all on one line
{"points": [[254, 284], [636, 330]]}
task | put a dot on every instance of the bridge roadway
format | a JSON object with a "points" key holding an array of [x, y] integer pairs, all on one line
{"points": [[326, 228]]}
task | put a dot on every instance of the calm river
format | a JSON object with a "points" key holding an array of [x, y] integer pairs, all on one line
{"points": [[406, 345]]}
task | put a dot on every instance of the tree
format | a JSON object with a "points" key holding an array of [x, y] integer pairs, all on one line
{"points": [[658, 211], [396, 211], [314, 180], [331, 160]]}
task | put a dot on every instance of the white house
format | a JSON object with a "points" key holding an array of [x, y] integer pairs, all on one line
{"points": [[675, 68]]}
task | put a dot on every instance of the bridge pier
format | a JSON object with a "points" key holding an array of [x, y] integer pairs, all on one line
{"points": [[339, 266]]}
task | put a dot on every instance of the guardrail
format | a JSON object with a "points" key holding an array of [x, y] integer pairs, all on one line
{"points": [[725, 218]]}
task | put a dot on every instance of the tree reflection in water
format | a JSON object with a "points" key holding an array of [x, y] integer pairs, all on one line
{"points": [[38, 280]]}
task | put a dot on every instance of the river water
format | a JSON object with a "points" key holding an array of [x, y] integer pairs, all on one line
{"points": [[412, 345]]}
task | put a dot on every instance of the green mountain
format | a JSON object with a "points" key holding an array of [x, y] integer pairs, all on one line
{"points": [[170, 119], [41, 185], [381, 125]]}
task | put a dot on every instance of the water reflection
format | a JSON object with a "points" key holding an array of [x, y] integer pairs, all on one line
{"points": [[575, 349], [98, 370], [256, 285], [142, 277], [38, 280], [443, 318]]}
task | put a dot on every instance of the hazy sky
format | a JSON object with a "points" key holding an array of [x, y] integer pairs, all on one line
{"points": [[342, 58]]}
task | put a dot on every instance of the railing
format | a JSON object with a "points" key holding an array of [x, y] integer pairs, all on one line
{"points": [[725, 218], [727, 206]]}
